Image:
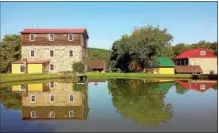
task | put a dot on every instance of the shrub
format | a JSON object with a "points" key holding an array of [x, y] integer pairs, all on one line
{"points": [[78, 67]]}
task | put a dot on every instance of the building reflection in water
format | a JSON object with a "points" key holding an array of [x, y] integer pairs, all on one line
{"points": [[197, 85], [53, 101]]}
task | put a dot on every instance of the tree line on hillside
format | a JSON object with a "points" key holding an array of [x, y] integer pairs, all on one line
{"points": [[129, 53]]}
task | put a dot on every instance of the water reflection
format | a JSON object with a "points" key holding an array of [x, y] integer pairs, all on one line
{"points": [[197, 85], [114, 104], [53, 101], [141, 101], [144, 101]]}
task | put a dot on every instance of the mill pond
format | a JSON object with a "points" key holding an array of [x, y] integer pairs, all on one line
{"points": [[109, 105]]}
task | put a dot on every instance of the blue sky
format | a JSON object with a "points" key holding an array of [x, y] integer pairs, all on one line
{"points": [[188, 22]]}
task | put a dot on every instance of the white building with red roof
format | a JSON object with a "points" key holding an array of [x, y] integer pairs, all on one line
{"points": [[200, 60]]}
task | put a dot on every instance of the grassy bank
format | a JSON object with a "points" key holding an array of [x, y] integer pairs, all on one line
{"points": [[5, 78], [137, 75], [8, 78]]}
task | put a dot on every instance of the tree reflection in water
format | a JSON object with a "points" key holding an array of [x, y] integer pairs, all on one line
{"points": [[10, 100], [140, 101]]}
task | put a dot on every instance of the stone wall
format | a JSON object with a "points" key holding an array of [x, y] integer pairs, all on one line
{"points": [[206, 64], [61, 59]]}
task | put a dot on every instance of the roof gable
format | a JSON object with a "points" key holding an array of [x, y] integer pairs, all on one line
{"points": [[195, 53], [165, 61]]}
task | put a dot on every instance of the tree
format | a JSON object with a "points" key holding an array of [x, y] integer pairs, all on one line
{"points": [[167, 51], [78, 67], [180, 48], [143, 45], [10, 100], [10, 51]]}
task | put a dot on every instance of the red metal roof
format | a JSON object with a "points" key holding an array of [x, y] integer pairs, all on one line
{"points": [[195, 53], [78, 30], [200, 86], [30, 61]]}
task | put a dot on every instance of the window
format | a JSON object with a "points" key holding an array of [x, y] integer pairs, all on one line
{"points": [[70, 37], [202, 87], [70, 53], [33, 114], [32, 37], [32, 53], [51, 67], [21, 88], [22, 68], [71, 98], [52, 84], [51, 114], [32, 99], [52, 98], [51, 53], [70, 113], [51, 37], [202, 53]]}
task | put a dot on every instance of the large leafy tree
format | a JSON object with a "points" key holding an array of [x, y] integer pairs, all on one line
{"points": [[10, 51], [140, 101], [143, 45]]}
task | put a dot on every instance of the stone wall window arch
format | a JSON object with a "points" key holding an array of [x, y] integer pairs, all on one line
{"points": [[52, 84], [32, 99], [70, 53], [33, 114], [51, 53], [52, 114], [32, 53], [70, 113], [32, 37], [51, 37], [52, 98], [71, 98], [70, 37], [51, 67]]}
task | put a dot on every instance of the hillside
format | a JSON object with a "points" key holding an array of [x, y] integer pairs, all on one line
{"points": [[97, 53]]}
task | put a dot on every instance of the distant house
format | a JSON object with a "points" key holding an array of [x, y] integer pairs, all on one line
{"points": [[200, 60], [95, 65], [164, 65]]}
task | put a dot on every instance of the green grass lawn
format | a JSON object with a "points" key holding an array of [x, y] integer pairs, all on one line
{"points": [[6, 78], [135, 75]]}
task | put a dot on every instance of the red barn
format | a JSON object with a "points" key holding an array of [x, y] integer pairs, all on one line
{"points": [[200, 60]]}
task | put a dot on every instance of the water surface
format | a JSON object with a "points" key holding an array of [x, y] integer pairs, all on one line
{"points": [[111, 105]]}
